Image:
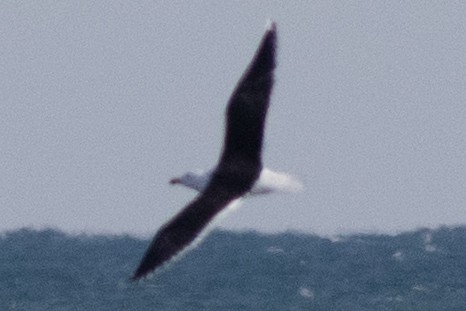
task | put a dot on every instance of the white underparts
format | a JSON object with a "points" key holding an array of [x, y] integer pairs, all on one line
{"points": [[268, 182]]}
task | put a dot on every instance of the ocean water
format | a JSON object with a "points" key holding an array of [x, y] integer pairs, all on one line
{"points": [[417, 270]]}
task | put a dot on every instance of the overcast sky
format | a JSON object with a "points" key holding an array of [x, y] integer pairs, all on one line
{"points": [[101, 103]]}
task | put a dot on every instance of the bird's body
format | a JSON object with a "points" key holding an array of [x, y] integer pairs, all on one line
{"points": [[239, 170], [269, 181]]}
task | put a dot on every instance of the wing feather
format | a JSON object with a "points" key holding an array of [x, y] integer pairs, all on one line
{"points": [[248, 105], [183, 229]]}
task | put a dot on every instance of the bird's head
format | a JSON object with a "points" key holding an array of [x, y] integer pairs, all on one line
{"points": [[175, 181], [193, 180]]}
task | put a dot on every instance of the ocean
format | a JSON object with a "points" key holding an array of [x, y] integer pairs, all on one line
{"points": [[417, 270]]}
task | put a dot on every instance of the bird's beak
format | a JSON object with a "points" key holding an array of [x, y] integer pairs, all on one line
{"points": [[175, 181]]}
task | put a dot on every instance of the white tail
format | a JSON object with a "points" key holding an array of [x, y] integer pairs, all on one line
{"points": [[270, 181]]}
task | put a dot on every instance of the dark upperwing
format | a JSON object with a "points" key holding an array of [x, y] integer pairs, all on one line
{"points": [[239, 165], [182, 229], [248, 105]]}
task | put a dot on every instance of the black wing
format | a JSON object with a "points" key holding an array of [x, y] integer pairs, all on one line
{"points": [[239, 165], [247, 107], [183, 229]]}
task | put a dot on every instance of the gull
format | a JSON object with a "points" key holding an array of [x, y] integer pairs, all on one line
{"points": [[239, 171]]}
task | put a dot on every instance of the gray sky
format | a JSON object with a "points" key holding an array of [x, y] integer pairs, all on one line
{"points": [[101, 103]]}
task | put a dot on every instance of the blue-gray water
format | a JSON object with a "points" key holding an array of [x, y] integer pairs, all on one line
{"points": [[418, 270]]}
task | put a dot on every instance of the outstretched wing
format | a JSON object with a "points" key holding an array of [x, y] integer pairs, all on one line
{"points": [[247, 107], [184, 228]]}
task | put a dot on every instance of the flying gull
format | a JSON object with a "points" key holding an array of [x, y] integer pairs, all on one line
{"points": [[239, 171]]}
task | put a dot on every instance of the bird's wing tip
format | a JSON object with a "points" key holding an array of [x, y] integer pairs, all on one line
{"points": [[141, 276], [135, 277], [270, 25]]}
